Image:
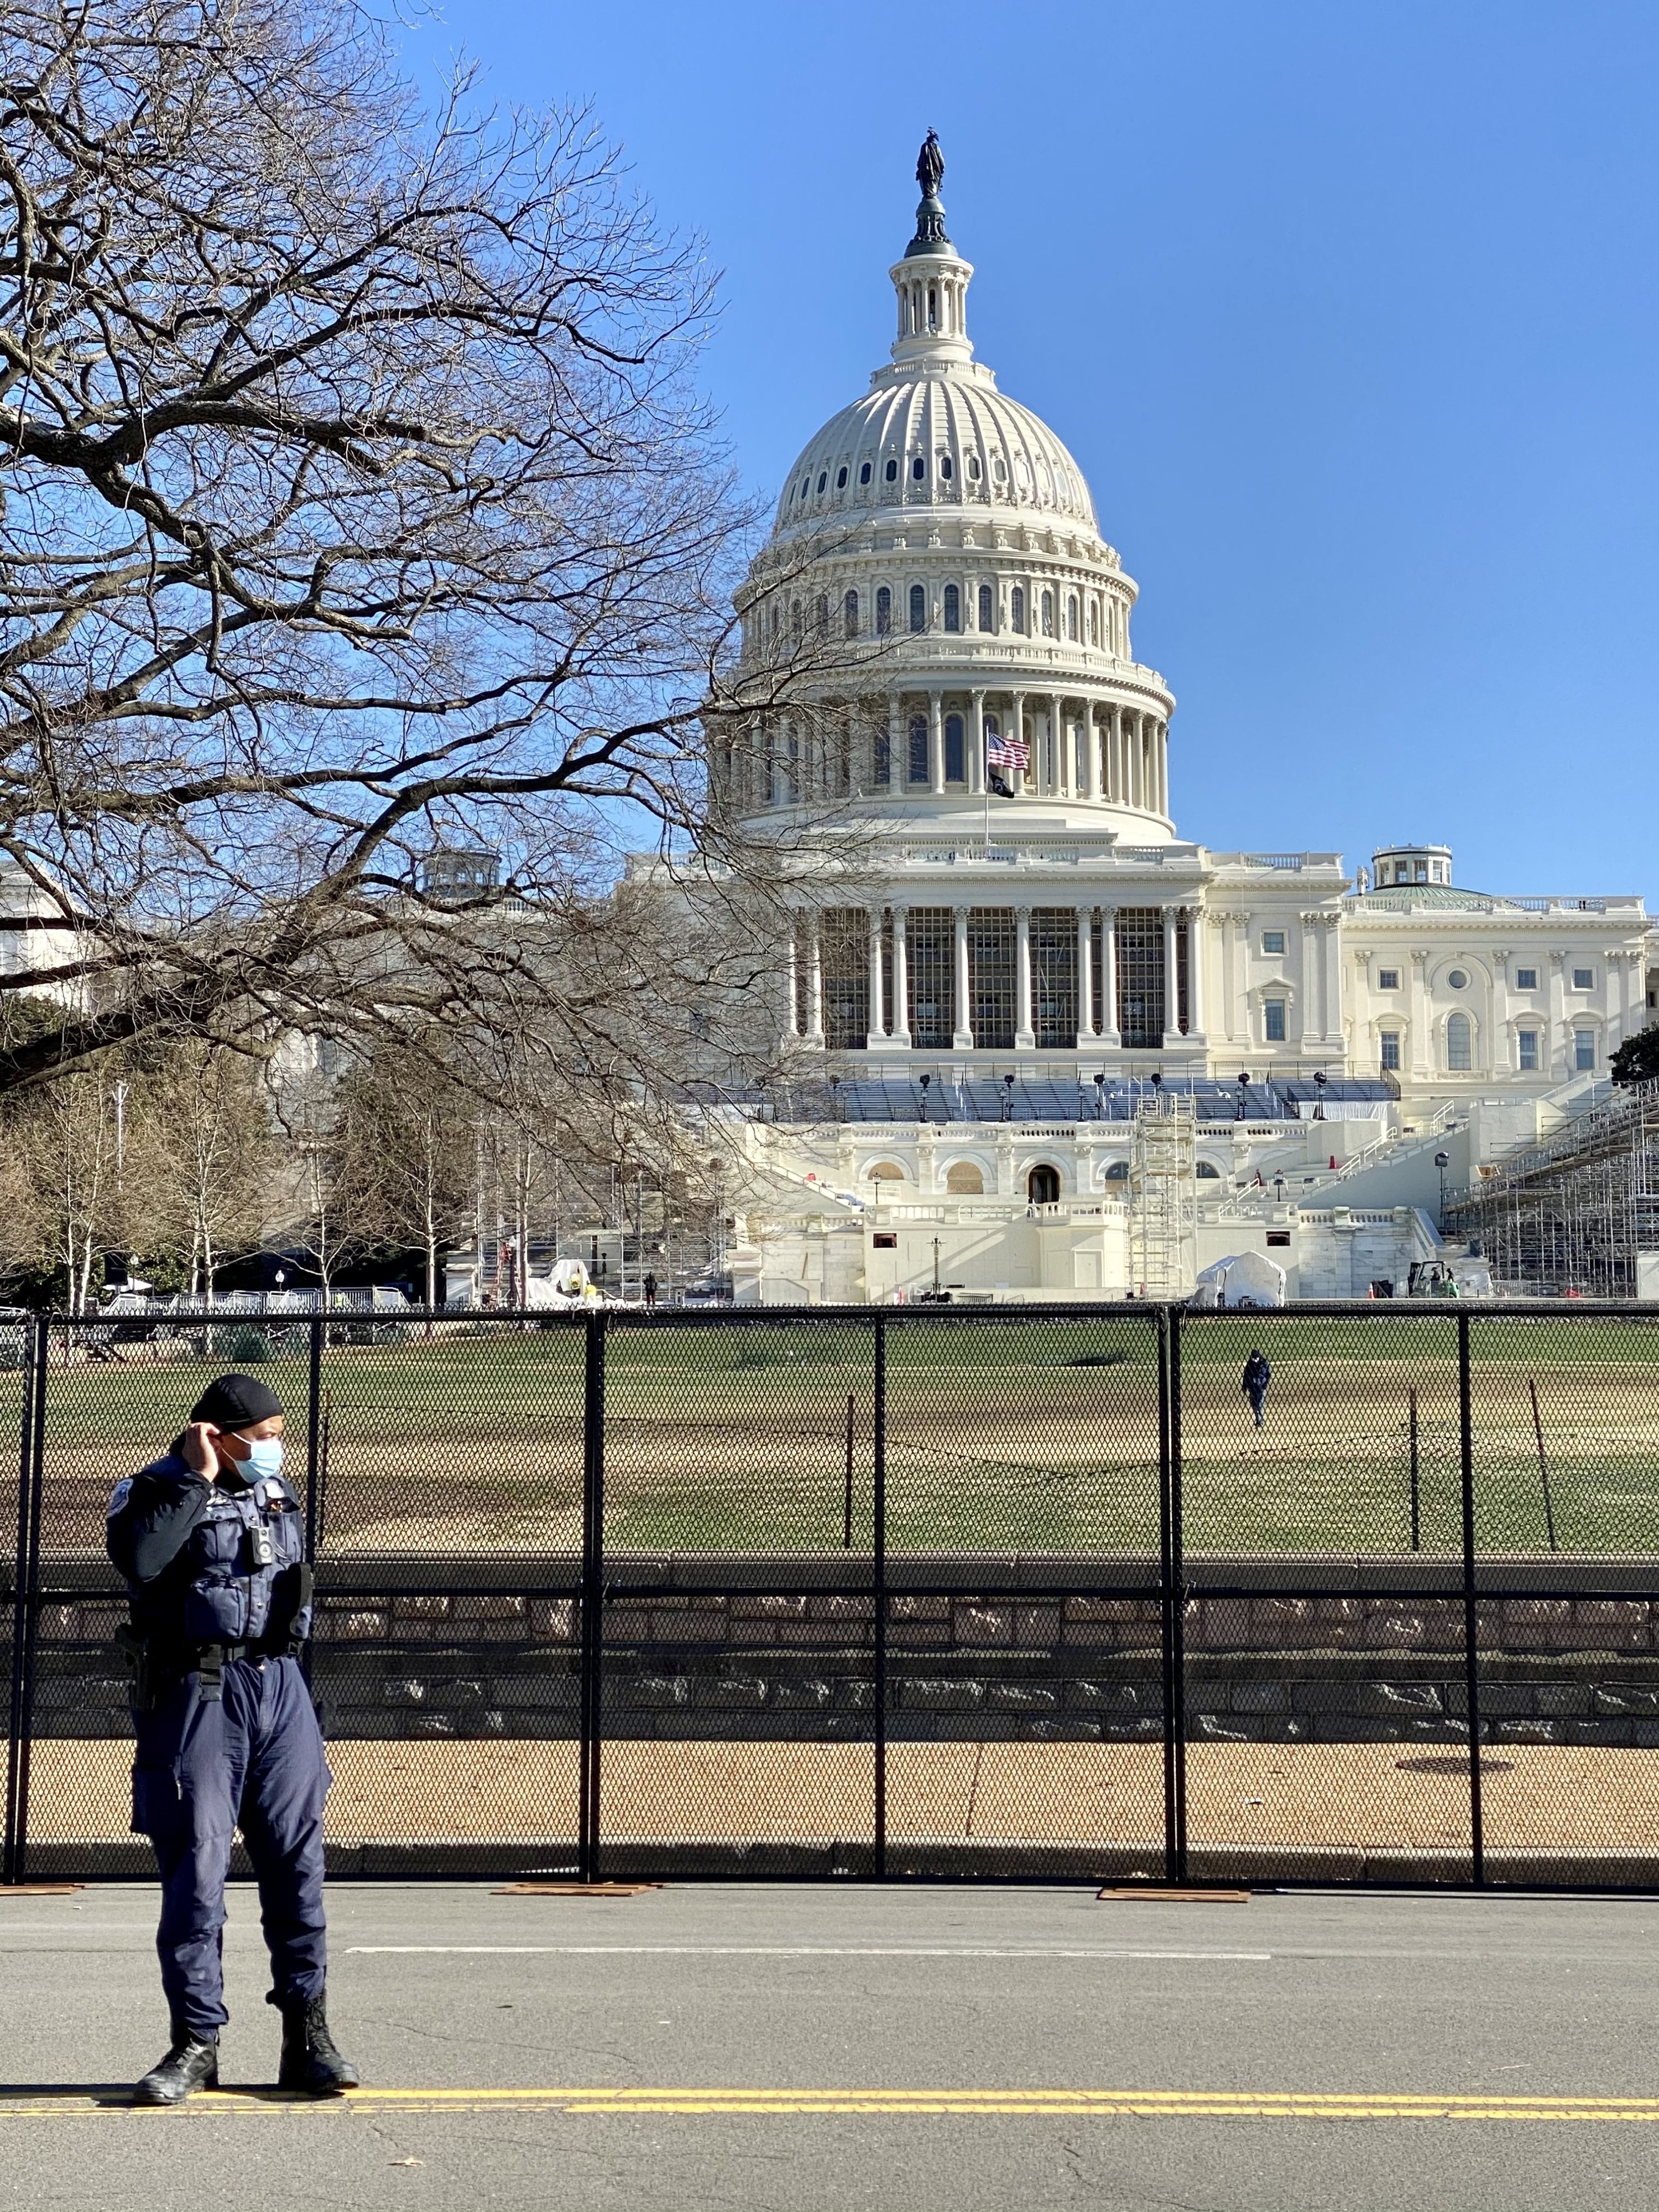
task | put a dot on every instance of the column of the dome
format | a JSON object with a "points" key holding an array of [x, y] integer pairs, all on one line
{"points": [[976, 745], [815, 987], [1171, 978], [1057, 731], [1017, 724], [936, 743], [1195, 974], [1025, 1033], [962, 1038], [901, 1028], [1110, 1035], [877, 1032], [1085, 978], [1091, 752], [792, 1020]]}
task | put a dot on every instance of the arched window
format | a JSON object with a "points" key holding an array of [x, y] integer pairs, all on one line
{"points": [[952, 608], [918, 468], [850, 614], [918, 607], [885, 1171], [988, 608], [1457, 1043], [824, 614], [965, 1180], [892, 471], [795, 618], [1118, 1171], [1094, 621], [918, 752], [883, 612], [946, 467], [1047, 614], [1071, 618], [1016, 609], [777, 617], [956, 768], [1042, 1185], [823, 478], [973, 468], [1000, 470], [841, 479], [864, 473], [883, 752], [1207, 1172]]}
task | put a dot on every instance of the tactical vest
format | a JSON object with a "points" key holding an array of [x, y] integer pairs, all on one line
{"points": [[247, 1543]]}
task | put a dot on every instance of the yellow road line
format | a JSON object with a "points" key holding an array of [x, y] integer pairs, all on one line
{"points": [[1006, 2103]]}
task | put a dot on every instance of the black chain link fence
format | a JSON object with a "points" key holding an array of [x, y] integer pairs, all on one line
{"points": [[1020, 1592]]}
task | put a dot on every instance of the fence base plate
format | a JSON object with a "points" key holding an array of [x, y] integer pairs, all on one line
{"points": [[1170, 1894], [575, 1888]]}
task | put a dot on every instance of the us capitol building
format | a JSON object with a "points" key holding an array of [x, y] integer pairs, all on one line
{"points": [[1033, 1043]]}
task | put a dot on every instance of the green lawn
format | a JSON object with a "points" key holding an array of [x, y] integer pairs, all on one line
{"points": [[1023, 1434]]}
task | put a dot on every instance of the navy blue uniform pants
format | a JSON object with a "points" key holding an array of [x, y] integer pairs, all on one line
{"points": [[252, 1758]]}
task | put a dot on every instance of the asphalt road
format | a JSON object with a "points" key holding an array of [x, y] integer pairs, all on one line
{"points": [[850, 2047]]}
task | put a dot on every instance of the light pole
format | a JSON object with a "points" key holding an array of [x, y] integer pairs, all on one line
{"points": [[1442, 1161]]}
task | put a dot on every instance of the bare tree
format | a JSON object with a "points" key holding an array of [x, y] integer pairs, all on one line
{"points": [[357, 505], [67, 1146], [417, 1144], [200, 1160]]}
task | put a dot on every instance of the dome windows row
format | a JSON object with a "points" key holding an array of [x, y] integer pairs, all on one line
{"points": [[1079, 618], [1040, 477]]}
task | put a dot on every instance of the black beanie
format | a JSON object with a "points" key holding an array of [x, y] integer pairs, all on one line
{"points": [[236, 1401]]}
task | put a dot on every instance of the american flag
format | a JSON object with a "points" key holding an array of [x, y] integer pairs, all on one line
{"points": [[1007, 752]]}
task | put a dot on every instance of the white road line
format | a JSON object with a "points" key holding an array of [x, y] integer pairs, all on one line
{"points": [[761, 1951]]}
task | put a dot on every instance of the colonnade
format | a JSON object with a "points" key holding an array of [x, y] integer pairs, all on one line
{"points": [[891, 1003], [1081, 748]]}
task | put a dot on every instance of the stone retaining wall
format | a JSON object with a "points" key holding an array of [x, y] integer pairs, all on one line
{"points": [[979, 1669]]}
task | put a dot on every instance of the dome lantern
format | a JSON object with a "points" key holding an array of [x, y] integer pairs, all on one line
{"points": [[930, 280]]}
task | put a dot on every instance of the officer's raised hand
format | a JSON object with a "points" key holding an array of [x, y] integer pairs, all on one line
{"points": [[201, 1454]]}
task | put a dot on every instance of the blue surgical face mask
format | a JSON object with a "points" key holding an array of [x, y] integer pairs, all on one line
{"points": [[264, 1457]]}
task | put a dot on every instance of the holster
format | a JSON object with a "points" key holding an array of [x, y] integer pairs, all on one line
{"points": [[149, 1684]]}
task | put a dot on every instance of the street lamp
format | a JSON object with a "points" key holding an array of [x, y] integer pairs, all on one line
{"points": [[1319, 1101], [1442, 1161], [1242, 1111], [926, 1080]]}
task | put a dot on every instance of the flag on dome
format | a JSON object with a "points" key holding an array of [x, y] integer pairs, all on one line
{"points": [[1007, 752]]}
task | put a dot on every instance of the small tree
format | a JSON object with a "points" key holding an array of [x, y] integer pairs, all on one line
{"points": [[68, 1149], [201, 1160], [1636, 1060], [417, 1143]]}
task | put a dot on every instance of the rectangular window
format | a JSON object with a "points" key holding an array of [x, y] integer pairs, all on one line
{"points": [[1272, 1020], [1526, 979], [1139, 944], [1277, 1236], [1391, 1048], [990, 951], [1387, 979], [884, 1241], [1272, 940], [956, 755], [1583, 979], [844, 953], [1054, 977], [1584, 1050], [930, 947], [918, 753], [1527, 1051]]}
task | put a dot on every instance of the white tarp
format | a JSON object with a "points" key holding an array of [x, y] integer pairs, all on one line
{"points": [[1241, 1279]]}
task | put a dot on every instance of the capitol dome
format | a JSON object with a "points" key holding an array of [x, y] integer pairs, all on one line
{"points": [[935, 619]]}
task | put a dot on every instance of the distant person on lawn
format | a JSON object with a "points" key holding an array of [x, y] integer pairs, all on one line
{"points": [[1256, 1377]]}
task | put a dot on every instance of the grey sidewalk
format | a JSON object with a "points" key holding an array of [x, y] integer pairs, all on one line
{"points": [[852, 1989]]}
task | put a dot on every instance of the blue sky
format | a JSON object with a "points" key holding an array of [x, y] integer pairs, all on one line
{"points": [[1348, 314]]}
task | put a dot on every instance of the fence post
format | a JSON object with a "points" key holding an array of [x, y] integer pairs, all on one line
{"points": [[1471, 1612], [313, 1449], [26, 1615], [878, 1586], [1173, 1578], [592, 1721], [20, 1586]]}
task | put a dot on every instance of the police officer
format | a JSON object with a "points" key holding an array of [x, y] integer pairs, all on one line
{"points": [[209, 1538]]}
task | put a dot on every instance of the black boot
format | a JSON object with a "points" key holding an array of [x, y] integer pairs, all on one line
{"points": [[192, 2064], [310, 2061]]}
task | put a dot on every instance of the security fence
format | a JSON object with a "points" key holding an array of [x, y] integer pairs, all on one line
{"points": [[1006, 1592]]}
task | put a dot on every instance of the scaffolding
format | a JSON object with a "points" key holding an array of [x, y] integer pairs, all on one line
{"points": [[1162, 1198], [1577, 1213]]}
